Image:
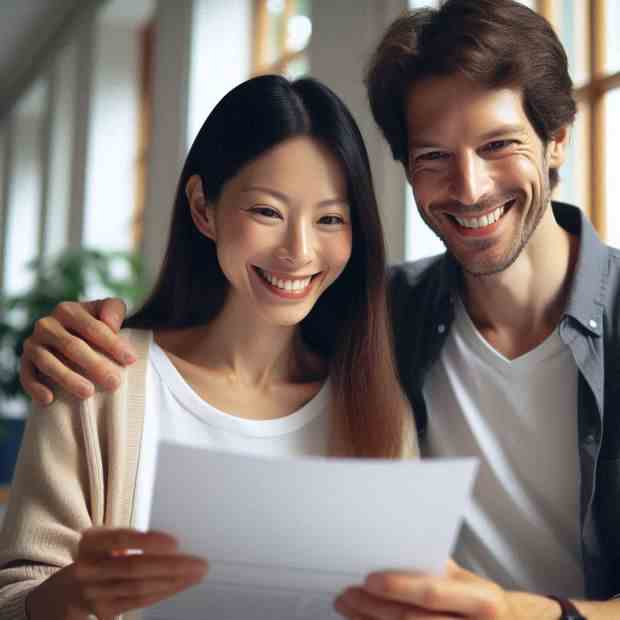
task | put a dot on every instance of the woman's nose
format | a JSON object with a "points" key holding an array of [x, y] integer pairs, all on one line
{"points": [[297, 247]]}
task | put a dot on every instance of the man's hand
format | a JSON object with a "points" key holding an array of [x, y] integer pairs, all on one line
{"points": [[71, 347], [399, 595], [117, 570]]}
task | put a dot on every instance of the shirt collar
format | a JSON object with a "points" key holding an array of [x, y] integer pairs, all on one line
{"points": [[585, 302]]}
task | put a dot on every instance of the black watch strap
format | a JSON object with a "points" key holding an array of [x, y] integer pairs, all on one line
{"points": [[569, 611]]}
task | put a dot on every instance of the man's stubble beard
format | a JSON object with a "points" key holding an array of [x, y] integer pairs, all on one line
{"points": [[517, 246]]}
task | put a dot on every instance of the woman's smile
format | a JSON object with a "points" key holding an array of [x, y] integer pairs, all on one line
{"points": [[286, 286]]}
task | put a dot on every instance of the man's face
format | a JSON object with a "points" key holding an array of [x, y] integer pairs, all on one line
{"points": [[479, 171]]}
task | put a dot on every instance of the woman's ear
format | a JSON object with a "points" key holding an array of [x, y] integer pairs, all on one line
{"points": [[202, 211]]}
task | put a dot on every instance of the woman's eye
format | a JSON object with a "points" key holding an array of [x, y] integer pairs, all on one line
{"points": [[331, 220], [266, 212]]}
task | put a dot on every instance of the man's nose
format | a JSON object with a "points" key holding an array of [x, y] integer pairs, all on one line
{"points": [[471, 178]]}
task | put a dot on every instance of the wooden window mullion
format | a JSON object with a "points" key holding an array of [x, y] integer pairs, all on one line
{"points": [[597, 117], [261, 32]]}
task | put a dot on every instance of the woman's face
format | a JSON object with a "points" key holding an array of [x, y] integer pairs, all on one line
{"points": [[282, 228]]}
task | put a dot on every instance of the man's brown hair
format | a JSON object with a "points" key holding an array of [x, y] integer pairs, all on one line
{"points": [[495, 43]]}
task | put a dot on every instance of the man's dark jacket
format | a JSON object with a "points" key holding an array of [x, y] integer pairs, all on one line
{"points": [[421, 303]]}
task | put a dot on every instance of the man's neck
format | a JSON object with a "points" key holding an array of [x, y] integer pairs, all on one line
{"points": [[517, 309]]}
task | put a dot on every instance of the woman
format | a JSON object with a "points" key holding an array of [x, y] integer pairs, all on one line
{"points": [[265, 333]]}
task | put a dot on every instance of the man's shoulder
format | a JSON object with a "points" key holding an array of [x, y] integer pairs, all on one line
{"points": [[411, 274]]}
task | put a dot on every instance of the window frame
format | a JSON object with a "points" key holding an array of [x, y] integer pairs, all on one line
{"points": [[260, 64], [591, 97]]}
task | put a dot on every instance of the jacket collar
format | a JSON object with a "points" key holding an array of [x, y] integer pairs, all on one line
{"points": [[585, 302]]}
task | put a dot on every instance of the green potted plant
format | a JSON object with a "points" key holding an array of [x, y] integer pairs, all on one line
{"points": [[69, 276]]}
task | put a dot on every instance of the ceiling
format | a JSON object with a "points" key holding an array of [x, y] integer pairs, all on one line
{"points": [[21, 24], [27, 25]]}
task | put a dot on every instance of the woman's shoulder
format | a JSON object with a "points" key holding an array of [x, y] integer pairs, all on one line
{"points": [[140, 339]]}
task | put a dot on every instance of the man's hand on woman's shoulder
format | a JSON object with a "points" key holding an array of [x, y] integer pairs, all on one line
{"points": [[76, 348]]}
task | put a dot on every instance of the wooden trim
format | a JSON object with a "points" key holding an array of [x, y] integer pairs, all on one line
{"points": [[585, 181], [289, 11], [598, 86], [597, 118], [548, 9], [4, 494], [280, 65], [261, 32]]}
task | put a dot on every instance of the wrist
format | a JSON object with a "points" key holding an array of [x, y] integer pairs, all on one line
{"points": [[50, 601], [527, 606], [568, 609]]}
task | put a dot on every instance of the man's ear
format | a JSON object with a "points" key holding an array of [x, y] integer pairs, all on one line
{"points": [[202, 211], [557, 147]]}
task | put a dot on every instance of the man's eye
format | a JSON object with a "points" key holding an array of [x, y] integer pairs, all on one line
{"points": [[432, 156], [266, 212], [497, 145], [332, 220]]}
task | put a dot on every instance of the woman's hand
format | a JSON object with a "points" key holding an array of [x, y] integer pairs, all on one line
{"points": [[116, 570], [76, 348]]}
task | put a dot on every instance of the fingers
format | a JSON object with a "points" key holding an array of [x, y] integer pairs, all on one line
{"points": [[105, 604], [355, 603], [37, 358], [123, 569], [39, 392], [78, 319], [53, 340], [138, 567], [112, 311], [103, 541], [468, 597]]}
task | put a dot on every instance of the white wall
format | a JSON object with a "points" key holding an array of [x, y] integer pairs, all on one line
{"points": [[62, 135], [220, 55], [24, 205], [344, 35], [112, 149]]}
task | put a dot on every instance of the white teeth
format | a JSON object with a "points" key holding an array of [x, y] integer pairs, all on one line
{"points": [[481, 222], [286, 285]]}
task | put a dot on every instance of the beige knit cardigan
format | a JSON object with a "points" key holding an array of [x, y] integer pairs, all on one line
{"points": [[76, 469]]}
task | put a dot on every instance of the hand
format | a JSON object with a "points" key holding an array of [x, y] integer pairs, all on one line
{"points": [[399, 595], [116, 570], [76, 336]]}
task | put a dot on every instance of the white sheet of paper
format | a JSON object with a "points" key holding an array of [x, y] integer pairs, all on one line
{"points": [[284, 536]]}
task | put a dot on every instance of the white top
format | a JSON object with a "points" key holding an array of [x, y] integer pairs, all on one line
{"points": [[519, 417], [174, 412]]}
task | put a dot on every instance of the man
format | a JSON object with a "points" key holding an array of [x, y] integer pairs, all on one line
{"points": [[506, 345]]}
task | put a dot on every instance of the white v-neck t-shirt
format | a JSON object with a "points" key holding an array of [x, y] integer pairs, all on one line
{"points": [[175, 412], [519, 417]]}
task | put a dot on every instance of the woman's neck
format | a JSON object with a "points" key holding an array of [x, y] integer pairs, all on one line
{"points": [[245, 350]]}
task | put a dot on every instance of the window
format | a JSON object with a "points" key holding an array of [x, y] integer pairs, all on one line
{"points": [[588, 30], [281, 36]]}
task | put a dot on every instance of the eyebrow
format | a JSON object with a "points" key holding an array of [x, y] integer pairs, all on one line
{"points": [[284, 198], [503, 130]]}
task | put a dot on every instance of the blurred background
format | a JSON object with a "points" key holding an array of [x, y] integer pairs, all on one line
{"points": [[100, 100]]}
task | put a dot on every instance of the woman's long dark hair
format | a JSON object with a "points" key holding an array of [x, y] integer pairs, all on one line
{"points": [[348, 324]]}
